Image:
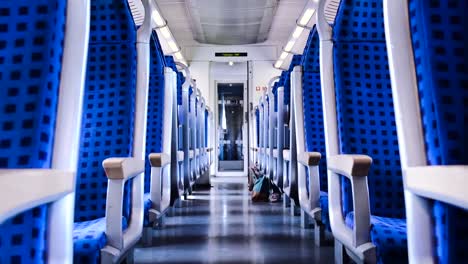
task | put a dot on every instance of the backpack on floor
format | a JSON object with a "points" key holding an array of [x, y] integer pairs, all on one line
{"points": [[261, 190]]}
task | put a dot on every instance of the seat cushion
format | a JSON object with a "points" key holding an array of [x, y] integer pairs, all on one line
{"points": [[325, 211], [147, 205], [89, 238], [389, 236]]}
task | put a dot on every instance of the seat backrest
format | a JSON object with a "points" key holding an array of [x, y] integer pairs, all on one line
{"points": [[274, 90], [440, 40], [257, 124], [109, 101], [296, 60], [31, 48], [366, 122], [312, 103], [154, 125]]}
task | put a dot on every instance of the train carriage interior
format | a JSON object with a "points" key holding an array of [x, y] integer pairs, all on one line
{"points": [[220, 131]]}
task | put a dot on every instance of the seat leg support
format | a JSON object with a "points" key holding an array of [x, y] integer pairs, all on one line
{"points": [[286, 201], [295, 210], [319, 234], [306, 220], [147, 236]]}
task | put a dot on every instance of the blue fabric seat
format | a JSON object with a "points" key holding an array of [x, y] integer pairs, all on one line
{"points": [[387, 234], [313, 115], [366, 121], [90, 237], [147, 206], [439, 35], [107, 125], [30, 83], [155, 114], [325, 209]]}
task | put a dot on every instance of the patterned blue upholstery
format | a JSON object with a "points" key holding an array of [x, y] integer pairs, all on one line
{"points": [[389, 235], [313, 114], [147, 206], [312, 102], [107, 125], [90, 237], [155, 105], [154, 127], [31, 46], [257, 124], [274, 90], [206, 127], [440, 40], [325, 210], [296, 60], [366, 121]]}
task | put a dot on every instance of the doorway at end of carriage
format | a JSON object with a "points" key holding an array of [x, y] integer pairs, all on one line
{"points": [[231, 127]]}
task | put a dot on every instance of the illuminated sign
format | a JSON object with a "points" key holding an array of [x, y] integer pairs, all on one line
{"points": [[230, 54]]}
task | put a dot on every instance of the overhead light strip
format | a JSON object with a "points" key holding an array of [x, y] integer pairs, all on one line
{"points": [[301, 24], [163, 28]]}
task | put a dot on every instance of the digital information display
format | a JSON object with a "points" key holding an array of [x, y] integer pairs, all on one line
{"points": [[230, 54]]}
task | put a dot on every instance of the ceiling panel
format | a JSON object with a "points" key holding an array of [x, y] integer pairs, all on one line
{"points": [[178, 15]]}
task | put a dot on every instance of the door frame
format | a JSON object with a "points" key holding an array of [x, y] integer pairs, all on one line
{"points": [[244, 128]]}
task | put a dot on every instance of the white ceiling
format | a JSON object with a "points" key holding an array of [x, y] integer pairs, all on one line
{"points": [[177, 14]]}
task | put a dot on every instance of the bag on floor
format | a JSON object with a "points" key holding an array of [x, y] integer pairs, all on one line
{"points": [[275, 195], [261, 190], [254, 176]]}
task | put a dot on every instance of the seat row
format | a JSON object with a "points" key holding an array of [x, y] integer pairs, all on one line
{"points": [[377, 114], [100, 132]]}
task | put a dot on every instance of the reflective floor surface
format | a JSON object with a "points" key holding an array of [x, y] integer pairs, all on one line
{"points": [[221, 225]]}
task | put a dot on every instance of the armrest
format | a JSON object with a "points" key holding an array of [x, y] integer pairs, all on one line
{"points": [[123, 168], [191, 154], [197, 152], [23, 189], [286, 155], [209, 149], [350, 165], [355, 168], [309, 158], [442, 183], [275, 153], [118, 171], [180, 155], [159, 159]]}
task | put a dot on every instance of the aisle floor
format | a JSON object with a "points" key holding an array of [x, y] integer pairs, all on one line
{"points": [[221, 225]]}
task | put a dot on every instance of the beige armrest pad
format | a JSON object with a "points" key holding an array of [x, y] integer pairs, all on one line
{"points": [[286, 155], [309, 158], [350, 165], [197, 152], [275, 153], [159, 159], [123, 168], [180, 155]]}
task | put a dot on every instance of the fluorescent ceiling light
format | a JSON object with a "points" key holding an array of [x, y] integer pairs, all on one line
{"points": [[289, 46], [158, 19], [297, 32], [179, 56], [278, 64], [173, 45], [306, 16], [283, 55], [231, 63], [165, 32]]}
